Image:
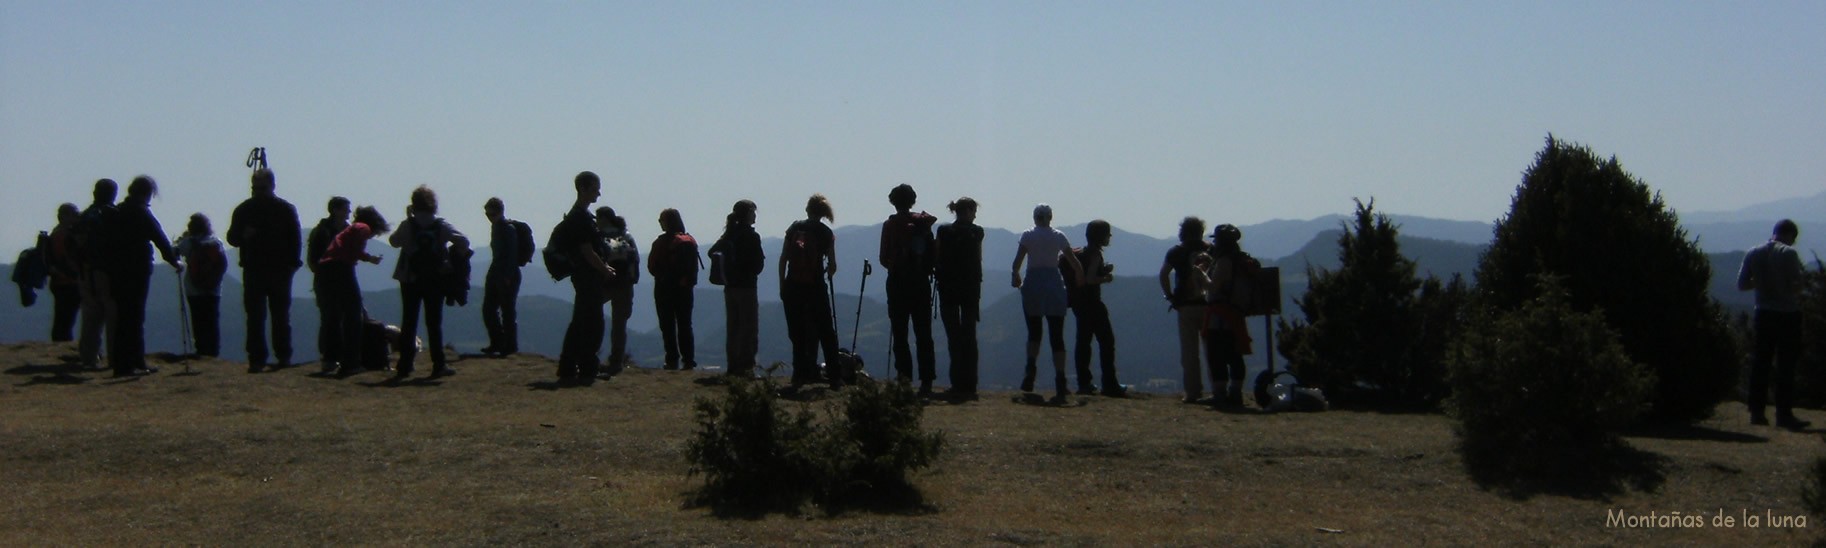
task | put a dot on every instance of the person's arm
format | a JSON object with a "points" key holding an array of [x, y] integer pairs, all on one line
{"points": [[1102, 263], [1020, 255], [881, 254], [399, 237], [163, 243], [237, 227], [291, 233], [785, 245], [590, 259], [830, 257], [1746, 278], [1072, 259]]}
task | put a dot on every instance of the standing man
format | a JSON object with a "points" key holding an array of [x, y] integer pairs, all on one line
{"points": [[315, 246], [578, 242], [98, 308], [129, 265], [266, 229], [1774, 271], [959, 275], [501, 286], [673, 264], [907, 252]]}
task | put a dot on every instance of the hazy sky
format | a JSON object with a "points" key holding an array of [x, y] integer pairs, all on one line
{"points": [[1137, 112]]}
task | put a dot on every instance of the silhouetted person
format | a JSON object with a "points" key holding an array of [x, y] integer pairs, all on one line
{"points": [[127, 234], [959, 274], [98, 308], [673, 262], [424, 241], [1093, 316], [1226, 337], [205, 261], [341, 291], [501, 285], [808, 261], [314, 247], [266, 229], [1774, 271], [576, 240], [743, 262], [907, 252], [622, 256], [1180, 288], [66, 274], [1043, 294]]}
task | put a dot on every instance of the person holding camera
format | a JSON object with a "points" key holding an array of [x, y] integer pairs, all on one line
{"points": [[1093, 316]]}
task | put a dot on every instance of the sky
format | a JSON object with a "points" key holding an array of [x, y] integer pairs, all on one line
{"points": [[1134, 112]]}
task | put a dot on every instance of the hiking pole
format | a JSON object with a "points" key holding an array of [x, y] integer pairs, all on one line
{"points": [[256, 158], [184, 321]]}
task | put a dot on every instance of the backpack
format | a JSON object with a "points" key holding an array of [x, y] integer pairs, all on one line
{"points": [[206, 265], [428, 263], [804, 256], [523, 236], [620, 255], [916, 249], [717, 277], [681, 261], [557, 260], [1242, 291]]}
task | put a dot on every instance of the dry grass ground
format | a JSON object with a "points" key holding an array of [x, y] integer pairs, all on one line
{"points": [[497, 455]]}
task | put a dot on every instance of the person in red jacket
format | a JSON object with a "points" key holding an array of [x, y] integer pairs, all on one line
{"points": [[673, 262], [909, 253]]}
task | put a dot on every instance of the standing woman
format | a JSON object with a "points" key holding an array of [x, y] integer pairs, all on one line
{"points": [[205, 261], [743, 262], [673, 262], [424, 240], [66, 274], [960, 292], [1043, 294], [622, 257], [341, 295], [808, 261], [129, 266]]}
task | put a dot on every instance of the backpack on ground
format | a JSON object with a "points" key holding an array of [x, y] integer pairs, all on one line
{"points": [[523, 236], [206, 265], [717, 264]]}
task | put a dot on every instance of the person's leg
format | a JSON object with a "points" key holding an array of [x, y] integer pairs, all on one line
{"points": [[1191, 322], [950, 315], [968, 316], [687, 340], [827, 336], [1033, 353], [253, 302], [329, 333], [922, 336], [510, 312], [1760, 360], [1787, 345], [65, 300], [410, 302], [1055, 329], [280, 295], [1105, 333], [131, 295], [665, 307], [799, 330], [350, 328], [899, 313], [206, 324], [492, 288], [1081, 350], [88, 343], [434, 328]]}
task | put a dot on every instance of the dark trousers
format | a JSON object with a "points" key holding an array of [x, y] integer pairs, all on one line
{"points": [[911, 302], [266, 289], [127, 337], [327, 339], [206, 323], [742, 322], [1778, 340], [958, 308], [500, 297], [674, 303], [583, 339], [1224, 359], [66, 300], [339, 298], [1094, 323], [620, 299], [809, 325], [430, 297]]}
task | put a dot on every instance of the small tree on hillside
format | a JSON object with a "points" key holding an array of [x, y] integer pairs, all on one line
{"points": [[1373, 331], [1619, 249], [1811, 372]]}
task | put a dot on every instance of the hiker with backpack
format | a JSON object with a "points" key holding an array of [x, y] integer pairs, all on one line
{"points": [[1043, 294], [736, 263], [622, 257], [907, 252], [959, 275], [808, 263], [266, 229], [66, 274], [205, 262], [340, 293], [98, 308], [511, 242], [1225, 275], [1185, 297], [574, 251], [314, 247], [673, 262], [1093, 316], [424, 240], [126, 236]]}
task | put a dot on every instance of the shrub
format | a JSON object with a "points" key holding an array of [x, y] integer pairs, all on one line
{"points": [[1542, 391], [1376, 332], [1618, 248], [756, 455], [1813, 493], [1810, 373]]}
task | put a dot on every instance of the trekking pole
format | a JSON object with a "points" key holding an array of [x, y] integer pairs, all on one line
{"points": [[184, 320], [866, 270], [256, 158]]}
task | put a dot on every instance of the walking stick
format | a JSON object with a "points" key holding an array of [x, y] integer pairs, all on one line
{"points": [[184, 321]]}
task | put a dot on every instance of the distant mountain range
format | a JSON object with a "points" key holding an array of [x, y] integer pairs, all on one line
{"points": [[1144, 328]]}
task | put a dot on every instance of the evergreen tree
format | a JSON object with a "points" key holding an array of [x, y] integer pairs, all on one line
{"points": [[1619, 250]]}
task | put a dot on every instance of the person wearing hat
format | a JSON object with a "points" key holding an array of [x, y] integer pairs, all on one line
{"points": [[1226, 337]]}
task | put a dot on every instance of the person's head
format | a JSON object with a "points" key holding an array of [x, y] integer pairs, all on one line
{"points": [[369, 215], [903, 197], [68, 213], [199, 225], [495, 209], [742, 213], [606, 218], [671, 221], [263, 183], [589, 187], [1097, 233], [1787, 232], [105, 191], [1191, 231], [1227, 237], [964, 208], [424, 200], [143, 188], [819, 207], [1042, 215], [338, 207]]}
